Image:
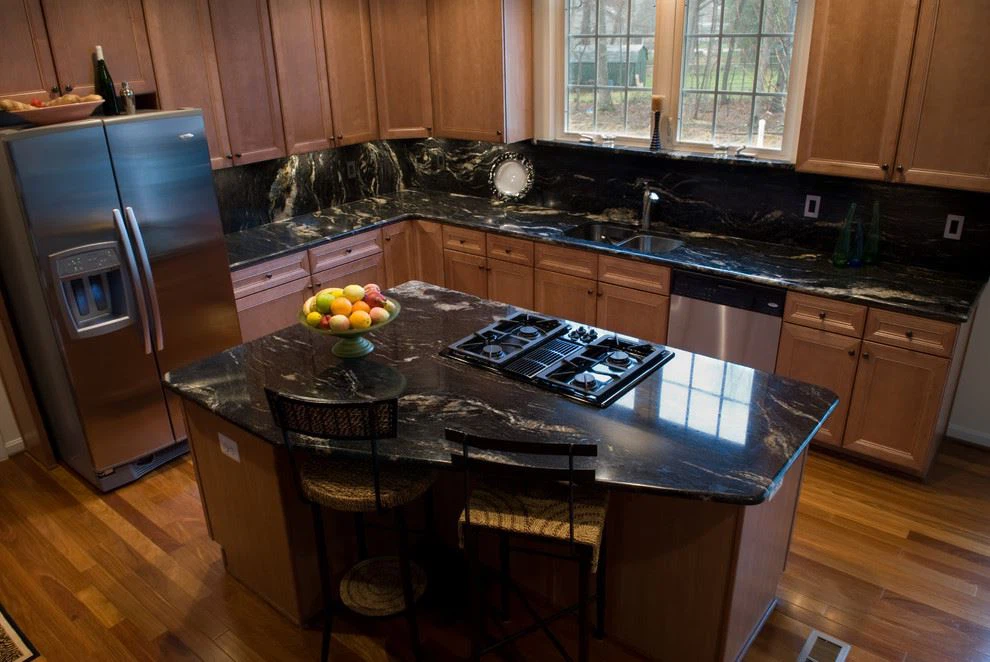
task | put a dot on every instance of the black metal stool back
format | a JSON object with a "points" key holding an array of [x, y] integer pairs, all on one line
{"points": [[370, 421], [495, 464]]}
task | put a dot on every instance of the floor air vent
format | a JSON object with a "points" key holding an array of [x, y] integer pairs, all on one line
{"points": [[823, 648]]}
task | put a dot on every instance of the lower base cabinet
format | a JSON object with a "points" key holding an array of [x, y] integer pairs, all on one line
{"points": [[563, 295], [633, 312], [466, 272], [895, 405], [272, 309], [510, 283]]}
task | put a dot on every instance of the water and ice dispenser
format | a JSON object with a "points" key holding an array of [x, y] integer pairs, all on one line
{"points": [[91, 281]]}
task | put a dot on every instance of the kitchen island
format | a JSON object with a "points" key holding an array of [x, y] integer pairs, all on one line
{"points": [[703, 458]]}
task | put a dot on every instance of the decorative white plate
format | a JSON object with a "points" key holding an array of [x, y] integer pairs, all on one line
{"points": [[511, 176]]}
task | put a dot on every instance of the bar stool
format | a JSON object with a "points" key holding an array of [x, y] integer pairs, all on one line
{"points": [[544, 503], [374, 587]]}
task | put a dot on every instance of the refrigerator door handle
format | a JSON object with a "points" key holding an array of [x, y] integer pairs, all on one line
{"points": [[135, 279], [149, 279]]}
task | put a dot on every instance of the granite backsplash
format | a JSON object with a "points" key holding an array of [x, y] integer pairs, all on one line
{"points": [[751, 201]]}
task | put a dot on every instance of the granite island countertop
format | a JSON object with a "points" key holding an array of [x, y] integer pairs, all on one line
{"points": [[697, 427], [907, 289]]}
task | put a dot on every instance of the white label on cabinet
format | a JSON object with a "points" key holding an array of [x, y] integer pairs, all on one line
{"points": [[229, 448]]}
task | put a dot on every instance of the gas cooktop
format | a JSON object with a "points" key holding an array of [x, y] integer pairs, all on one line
{"points": [[583, 363]]}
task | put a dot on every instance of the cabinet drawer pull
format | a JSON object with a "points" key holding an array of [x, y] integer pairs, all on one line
{"points": [[821, 315], [600, 293], [461, 241], [900, 167], [68, 87], [481, 266], [348, 251], [590, 291], [317, 285], [909, 333], [269, 275], [237, 154], [885, 166], [866, 355], [388, 238], [852, 352], [508, 251]]}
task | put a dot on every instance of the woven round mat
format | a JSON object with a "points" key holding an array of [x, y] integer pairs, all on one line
{"points": [[374, 587]]}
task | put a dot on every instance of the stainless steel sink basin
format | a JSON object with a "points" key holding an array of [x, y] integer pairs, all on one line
{"points": [[605, 233], [652, 244]]}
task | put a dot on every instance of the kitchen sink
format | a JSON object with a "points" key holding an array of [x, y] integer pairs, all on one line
{"points": [[645, 243], [625, 236]]}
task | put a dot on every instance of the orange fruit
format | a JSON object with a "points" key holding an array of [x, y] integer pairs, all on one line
{"points": [[340, 306], [360, 319], [360, 305]]}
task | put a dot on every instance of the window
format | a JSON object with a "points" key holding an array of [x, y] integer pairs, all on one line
{"points": [[609, 68], [731, 72]]}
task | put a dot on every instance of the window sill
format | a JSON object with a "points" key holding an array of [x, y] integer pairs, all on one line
{"points": [[690, 157]]}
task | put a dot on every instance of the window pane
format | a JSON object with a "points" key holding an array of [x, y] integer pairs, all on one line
{"points": [[643, 17], [741, 16], [779, 16], [738, 64], [696, 117], [581, 61], [582, 15], [775, 65], [611, 111], [703, 17], [641, 54], [639, 116], [732, 126], [771, 110], [613, 17], [700, 56], [580, 109], [612, 61]]}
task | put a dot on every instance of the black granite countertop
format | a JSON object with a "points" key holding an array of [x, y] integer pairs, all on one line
{"points": [[892, 286], [697, 427]]}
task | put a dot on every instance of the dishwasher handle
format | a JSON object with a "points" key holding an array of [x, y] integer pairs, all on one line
{"points": [[727, 292]]}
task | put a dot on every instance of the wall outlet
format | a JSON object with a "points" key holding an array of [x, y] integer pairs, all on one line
{"points": [[812, 206], [229, 448], [352, 172], [953, 226]]}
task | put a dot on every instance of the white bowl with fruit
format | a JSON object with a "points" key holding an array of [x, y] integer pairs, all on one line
{"points": [[348, 313]]}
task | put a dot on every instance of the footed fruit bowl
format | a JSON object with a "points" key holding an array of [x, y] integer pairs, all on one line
{"points": [[347, 319]]}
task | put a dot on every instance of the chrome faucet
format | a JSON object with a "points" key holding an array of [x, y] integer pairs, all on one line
{"points": [[650, 196]]}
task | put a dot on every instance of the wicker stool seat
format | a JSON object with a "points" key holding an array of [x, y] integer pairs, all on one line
{"points": [[539, 510], [348, 485], [373, 587]]}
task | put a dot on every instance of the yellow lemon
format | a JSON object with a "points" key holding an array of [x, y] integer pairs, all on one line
{"points": [[313, 319]]}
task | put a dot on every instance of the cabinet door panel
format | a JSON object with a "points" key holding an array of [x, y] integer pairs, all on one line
{"points": [[301, 63], [26, 68], [350, 66], [566, 296], [359, 272], [824, 359], [857, 77], [466, 273], [74, 28], [402, 68], [510, 283], [400, 253], [243, 39], [945, 137], [429, 252], [271, 310], [895, 404], [632, 312], [181, 40]]}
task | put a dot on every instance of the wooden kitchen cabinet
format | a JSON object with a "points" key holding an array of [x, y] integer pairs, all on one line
{"points": [[243, 39], [510, 282], [857, 78], [369, 269], [350, 67], [74, 29], [181, 40], [301, 65], [272, 309], [466, 272], [26, 67], [824, 359], [402, 68], [400, 253], [895, 405], [429, 252], [481, 54], [945, 135], [633, 312], [566, 296]]}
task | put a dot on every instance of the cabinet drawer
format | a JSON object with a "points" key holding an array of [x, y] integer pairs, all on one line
{"points": [[272, 273], [369, 269], [847, 319], [567, 261], [270, 310], [464, 240], [510, 249], [634, 274], [917, 333], [342, 251]]}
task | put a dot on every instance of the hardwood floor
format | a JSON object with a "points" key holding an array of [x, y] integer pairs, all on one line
{"points": [[897, 568]]}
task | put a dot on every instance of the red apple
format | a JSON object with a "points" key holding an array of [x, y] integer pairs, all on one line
{"points": [[325, 322], [375, 299]]}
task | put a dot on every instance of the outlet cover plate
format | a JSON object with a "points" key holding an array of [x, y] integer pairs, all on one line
{"points": [[953, 226], [812, 206]]}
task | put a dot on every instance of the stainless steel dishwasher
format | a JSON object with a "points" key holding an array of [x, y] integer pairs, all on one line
{"points": [[726, 319]]}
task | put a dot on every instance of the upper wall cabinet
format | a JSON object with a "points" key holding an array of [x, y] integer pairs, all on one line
{"points": [[243, 39], [481, 57], [402, 68], [26, 68], [300, 59], [350, 65], [945, 136], [857, 77], [74, 30], [181, 39]]}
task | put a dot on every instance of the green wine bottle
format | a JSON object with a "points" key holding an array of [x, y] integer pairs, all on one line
{"points": [[872, 250], [104, 85], [843, 247]]}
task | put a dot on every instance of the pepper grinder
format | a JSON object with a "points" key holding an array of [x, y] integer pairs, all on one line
{"points": [[655, 145]]}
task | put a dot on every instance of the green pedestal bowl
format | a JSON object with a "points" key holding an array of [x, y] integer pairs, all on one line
{"points": [[352, 343]]}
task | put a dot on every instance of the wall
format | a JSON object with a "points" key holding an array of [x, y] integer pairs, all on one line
{"points": [[970, 420], [10, 437]]}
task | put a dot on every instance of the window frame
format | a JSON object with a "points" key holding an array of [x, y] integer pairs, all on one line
{"points": [[550, 78]]}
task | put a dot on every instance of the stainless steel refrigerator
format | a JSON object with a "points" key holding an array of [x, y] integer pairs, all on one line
{"points": [[115, 272]]}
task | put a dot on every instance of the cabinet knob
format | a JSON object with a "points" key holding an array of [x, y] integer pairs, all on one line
{"points": [[909, 333], [900, 167], [237, 154], [481, 266], [508, 251], [461, 240], [852, 352], [388, 238], [229, 156], [821, 315], [498, 133], [340, 137], [68, 87], [268, 276], [600, 293], [590, 291], [866, 355], [885, 166], [348, 251], [56, 89], [317, 285]]}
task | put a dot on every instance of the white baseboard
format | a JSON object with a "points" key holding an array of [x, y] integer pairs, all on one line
{"points": [[14, 446], [969, 434]]}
